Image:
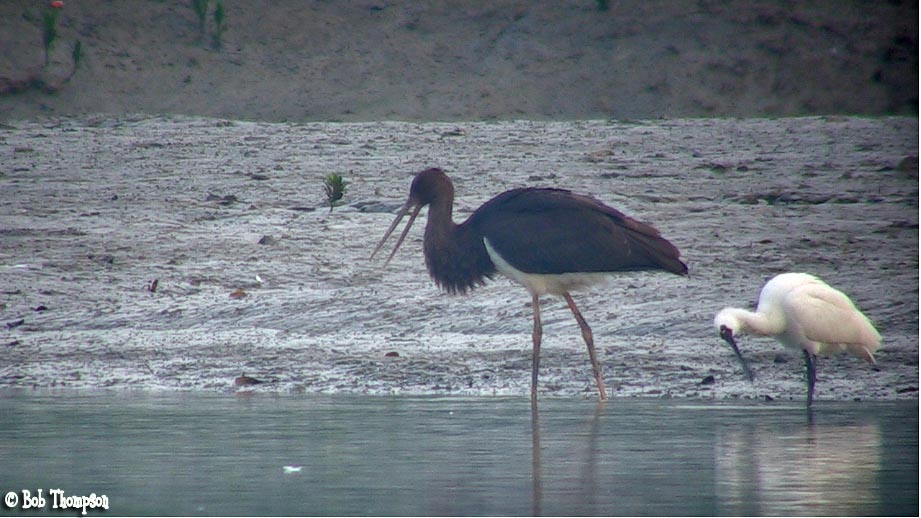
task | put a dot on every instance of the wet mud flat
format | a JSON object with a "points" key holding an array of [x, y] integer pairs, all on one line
{"points": [[254, 274]]}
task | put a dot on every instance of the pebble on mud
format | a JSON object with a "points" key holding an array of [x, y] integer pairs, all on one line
{"points": [[243, 381], [15, 323]]}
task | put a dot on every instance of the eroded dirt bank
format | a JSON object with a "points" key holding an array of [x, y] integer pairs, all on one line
{"points": [[368, 60]]}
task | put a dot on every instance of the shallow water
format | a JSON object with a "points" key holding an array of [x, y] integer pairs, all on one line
{"points": [[217, 454]]}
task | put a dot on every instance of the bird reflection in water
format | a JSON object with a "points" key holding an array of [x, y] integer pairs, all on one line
{"points": [[761, 471], [588, 485]]}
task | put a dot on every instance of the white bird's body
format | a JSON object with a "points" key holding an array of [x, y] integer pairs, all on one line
{"points": [[803, 313]]}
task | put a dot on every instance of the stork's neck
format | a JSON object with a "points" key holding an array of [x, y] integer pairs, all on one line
{"points": [[454, 254], [440, 225]]}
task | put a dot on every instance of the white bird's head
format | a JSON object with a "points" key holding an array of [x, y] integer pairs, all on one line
{"points": [[730, 324]]}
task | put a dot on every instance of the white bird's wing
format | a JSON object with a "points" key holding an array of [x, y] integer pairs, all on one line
{"points": [[827, 316]]}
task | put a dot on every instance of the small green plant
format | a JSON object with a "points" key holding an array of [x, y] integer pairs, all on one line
{"points": [[219, 18], [76, 55], [49, 30], [201, 11], [335, 187]]}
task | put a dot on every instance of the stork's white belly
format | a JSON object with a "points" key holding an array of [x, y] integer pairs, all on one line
{"points": [[544, 283]]}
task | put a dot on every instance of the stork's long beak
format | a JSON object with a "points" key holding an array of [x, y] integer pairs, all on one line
{"points": [[726, 334], [410, 204]]}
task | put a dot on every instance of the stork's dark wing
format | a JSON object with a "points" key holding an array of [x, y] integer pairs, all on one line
{"points": [[552, 231]]}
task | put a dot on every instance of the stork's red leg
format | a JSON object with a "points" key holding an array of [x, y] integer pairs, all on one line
{"points": [[536, 335], [590, 342]]}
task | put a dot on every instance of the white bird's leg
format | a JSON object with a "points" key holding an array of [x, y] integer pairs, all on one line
{"points": [[590, 342], [535, 339], [810, 375]]}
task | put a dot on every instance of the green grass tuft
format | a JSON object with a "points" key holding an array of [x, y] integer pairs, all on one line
{"points": [[220, 17], [49, 31], [335, 187], [201, 11]]}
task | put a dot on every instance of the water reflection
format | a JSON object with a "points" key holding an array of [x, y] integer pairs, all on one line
{"points": [[619, 458], [724, 460], [214, 455], [816, 469], [536, 491], [585, 459]]}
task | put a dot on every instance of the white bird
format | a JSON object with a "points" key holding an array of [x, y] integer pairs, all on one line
{"points": [[802, 313]]}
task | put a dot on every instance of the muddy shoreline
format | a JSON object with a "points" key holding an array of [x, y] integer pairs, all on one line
{"points": [[95, 208]]}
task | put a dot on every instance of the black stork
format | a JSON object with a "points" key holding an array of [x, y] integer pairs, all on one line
{"points": [[551, 241]]}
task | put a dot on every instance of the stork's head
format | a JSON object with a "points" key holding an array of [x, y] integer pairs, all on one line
{"points": [[428, 186]]}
